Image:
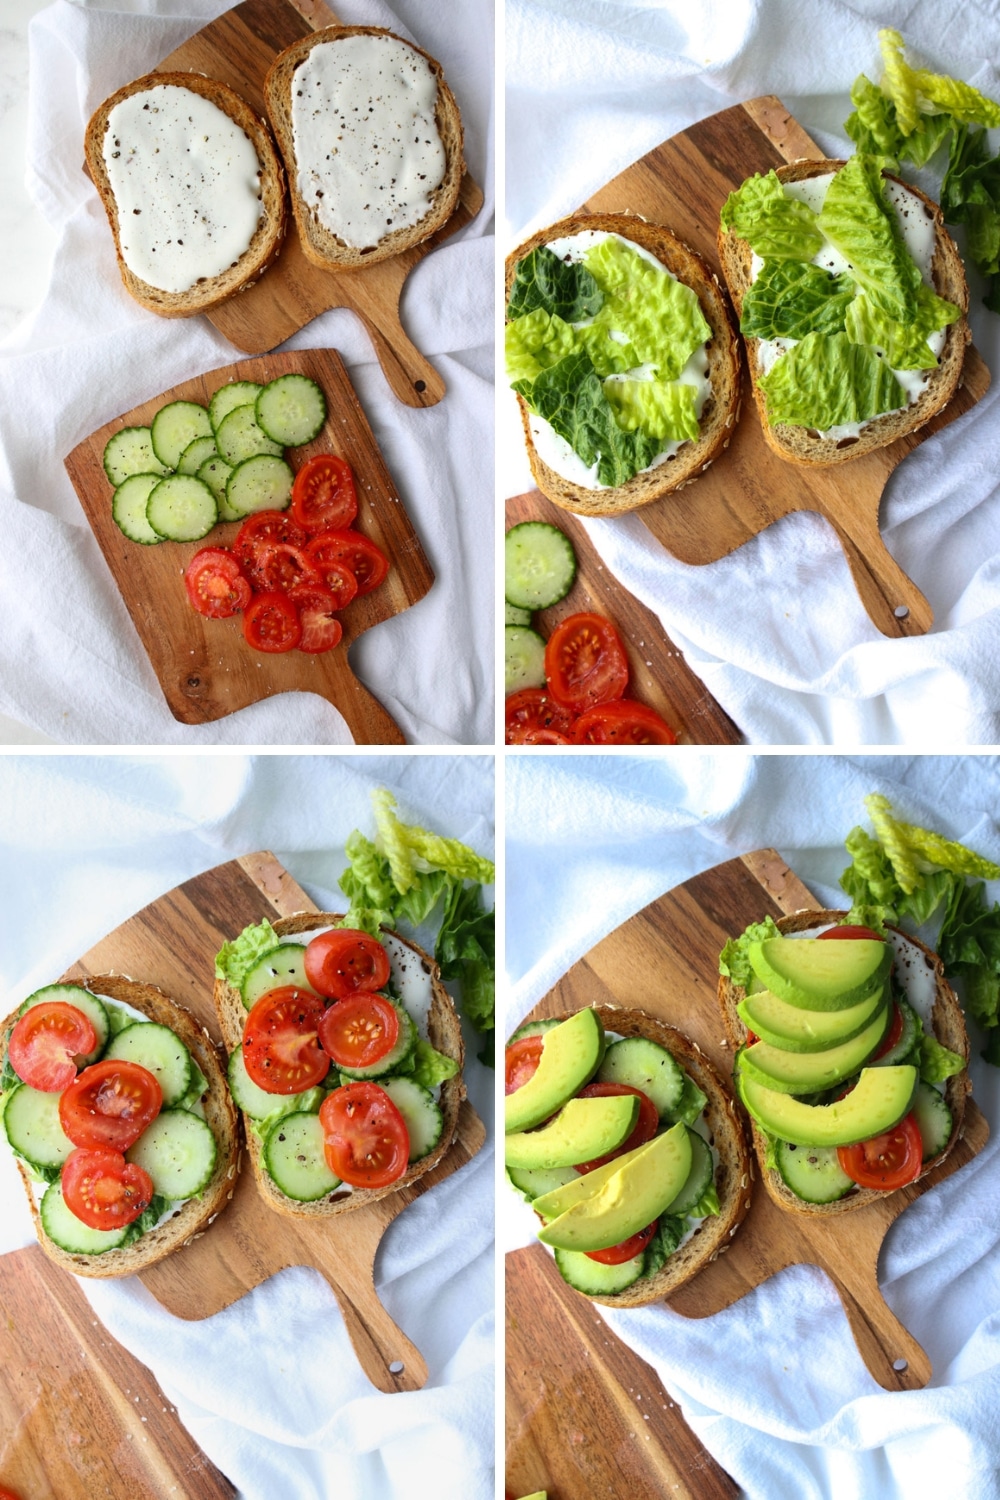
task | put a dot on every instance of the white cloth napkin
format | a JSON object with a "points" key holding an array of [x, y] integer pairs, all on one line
{"points": [[774, 1386], [71, 663], [776, 630], [270, 1388]]}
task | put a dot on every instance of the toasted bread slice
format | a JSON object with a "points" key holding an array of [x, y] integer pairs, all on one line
{"points": [[801, 445], [319, 244], [194, 1216], [949, 1028], [721, 410], [267, 240], [444, 1033]]}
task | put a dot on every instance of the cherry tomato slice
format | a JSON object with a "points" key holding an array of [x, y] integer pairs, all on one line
{"points": [[894, 1033], [585, 662], [366, 1142], [533, 710], [281, 1047], [622, 723], [360, 1030], [109, 1105], [104, 1190], [364, 557], [852, 932], [279, 567], [644, 1129], [271, 623], [323, 494], [887, 1161], [617, 1255], [338, 578], [341, 962], [8, 1495], [45, 1043], [545, 737], [215, 583], [262, 527], [321, 630], [521, 1060]]}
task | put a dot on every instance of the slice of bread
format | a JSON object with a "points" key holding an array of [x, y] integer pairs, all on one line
{"points": [[801, 445], [267, 240], [444, 1033], [319, 244], [194, 1216], [949, 1028], [721, 410]]}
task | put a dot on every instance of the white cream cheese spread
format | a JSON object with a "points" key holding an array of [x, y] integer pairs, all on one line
{"points": [[367, 147], [186, 180]]}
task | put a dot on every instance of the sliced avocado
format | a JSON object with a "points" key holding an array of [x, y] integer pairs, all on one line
{"points": [[583, 1129], [810, 1072], [571, 1055], [879, 1102], [798, 1030], [631, 1198], [555, 1202], [821, 974]]}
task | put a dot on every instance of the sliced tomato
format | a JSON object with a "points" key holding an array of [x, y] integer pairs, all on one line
{"points": [[887, 1161], [545, 737], [338, 578], [271, 623], [281, 1046], [280, 566], [215, 583], [110, 1104], [364, 557], [533, 710], [521, 1060], [104, 1190], [360, 1030], [852, 932], [644, 1129], [365, 1141], [323, 494], [262, 527], [321, 630], [8, 1495], [585, 662], [617, 1255], [45, 1043], [894, 1033], [622, 723], [341, 962]]}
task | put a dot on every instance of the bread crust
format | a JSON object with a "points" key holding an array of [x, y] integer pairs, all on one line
{"points": [[269, 235], [949, 1028], [319, 245], [194, 1217], [722, 409], [445, 1034], [796, 444]]}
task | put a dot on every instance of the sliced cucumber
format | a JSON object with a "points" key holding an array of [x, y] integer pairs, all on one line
{"points": [[396, 1055], [160, 1052], [238, 436], [532, 1182], [912, 1027], [128, 508], [285, 964], [295, 1159], [261, 482], [524, 658], [421, 1116], [182, 508], [932, 1115], [594, 1278], [70, 1233], [698, 1179], [178, 1151], [92, 1007], [128, 452], [215, 473], [228, 397], [195, 454], [813, 1173], [257, 1102], [539, 565], [644, 1065], [175, 426], [514, 616], [31, 1121], [291, 410]]}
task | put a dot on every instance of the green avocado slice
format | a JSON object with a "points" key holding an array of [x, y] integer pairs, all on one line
{"points": [[582, 1130], [644, 1185], [797, 1030], [555, 1202], [819, 973], [571, 1055], [810, 1072], [880, 1100]]}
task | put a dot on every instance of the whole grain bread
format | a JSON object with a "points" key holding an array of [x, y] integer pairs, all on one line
{"points": [[722, 409], [269, 234], [319, 245], [949, 1028], [194, 1216], [444, 1033], [801, 445]]}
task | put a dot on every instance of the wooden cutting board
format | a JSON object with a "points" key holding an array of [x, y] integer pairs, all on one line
{"points": [[238, 49], [658, 674], [683, 184], [205, 667], [665, 960]]}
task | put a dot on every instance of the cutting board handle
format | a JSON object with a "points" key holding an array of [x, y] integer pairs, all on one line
{"points": [[892, 1354], [384, 1352], [894, 604], [366, 718], [410, 377]]}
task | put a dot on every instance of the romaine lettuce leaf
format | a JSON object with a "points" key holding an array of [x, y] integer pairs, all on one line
{"points": [[570, 397], [534, 342], [899, 80], [690, 1104], [734, 960], [873, 126], [660, 316], [775, 226], [930, 135], [707, 1205], [791, 298], [235, 959], [858, 221], [426, 1066], [544, 281], [826, 381], [145, 1222], [965, 104], [663, 409], [905, 345], [669, 1232]]}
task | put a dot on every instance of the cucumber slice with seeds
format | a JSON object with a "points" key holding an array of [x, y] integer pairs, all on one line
{"points": [[215, 473], [175, 426], [262, 482], [291, 410], [285, 964], [238, 437], [195, 454], [539, 565], [698, 1179], [33, 1128], [178, 1151], [514, 616], [128, 452], [70, 1233], [532, 1182], [128, 508], [644, 1065], [295, 1160], [594, 1278], [424, 1121], [523, 658], [92, 1007], [160, 1052], [228, 397], [182, 508], [257, 1102], [933, 1116], [812, 1173]]}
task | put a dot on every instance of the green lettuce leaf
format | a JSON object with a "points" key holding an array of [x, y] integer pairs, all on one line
{"points": [[873, 126], [890, 835], [544, 281], [791, 298], [536, 341], [905, 346], [609, 356], [965, 104], [775, 226], [826, 381], [146, 1220], [235, 959], [410, 849], [930, 135], [669, 1232], [197, 1087], [570, 397], [426, 1066], [970, 195], [899, 81], [734, 960], [858, 220], [690, 1104], [662, 409], [969, 946], [937, 1063], [659, 316], [707, 1204]]}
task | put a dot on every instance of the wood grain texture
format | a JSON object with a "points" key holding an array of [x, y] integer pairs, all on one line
{"points": [[683, 184], [238, 48], [172, 943], [658, 674], [664, 960], [205, 667]]}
